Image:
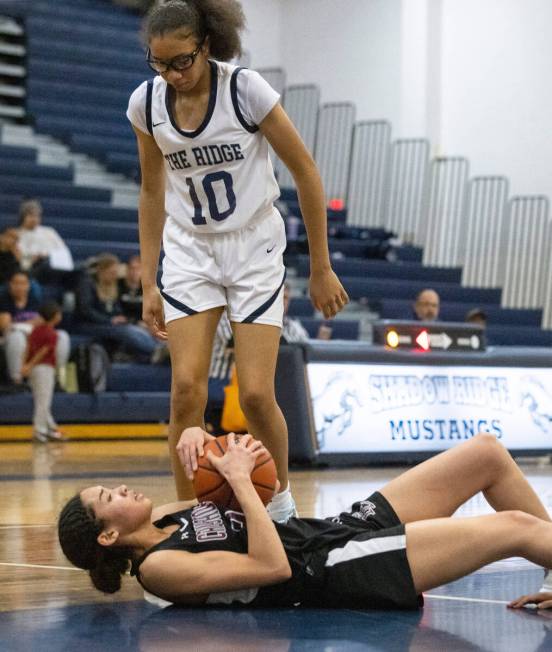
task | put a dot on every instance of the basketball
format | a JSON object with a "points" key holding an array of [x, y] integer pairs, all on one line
{"points": [[210, 485]]}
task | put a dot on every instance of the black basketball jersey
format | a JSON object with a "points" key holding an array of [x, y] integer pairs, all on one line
{"points": [[207, 527]]}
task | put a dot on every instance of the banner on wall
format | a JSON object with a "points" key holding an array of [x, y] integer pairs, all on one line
{"points": [[395, 408]]}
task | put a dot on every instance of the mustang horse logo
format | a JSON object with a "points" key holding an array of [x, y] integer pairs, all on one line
{"points": [[334, 407]]}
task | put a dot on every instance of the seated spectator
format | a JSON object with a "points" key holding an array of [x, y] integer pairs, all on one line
{"points": [[130, 291], [40, 365], [10, 254], [426, 305], [476, 316], [101, 314], [44, 254], [18, 316]]}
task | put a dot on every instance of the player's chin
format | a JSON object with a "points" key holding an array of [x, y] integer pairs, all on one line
{"points": [[143, 501]]}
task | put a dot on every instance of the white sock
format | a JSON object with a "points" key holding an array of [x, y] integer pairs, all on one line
{"points": [[158, 602], [282, 507], [547, 581], [281, 497]]}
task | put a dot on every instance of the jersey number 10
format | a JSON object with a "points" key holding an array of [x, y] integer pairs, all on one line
{"points": [[207, 183]]}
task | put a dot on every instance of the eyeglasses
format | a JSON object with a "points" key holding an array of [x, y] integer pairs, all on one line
{"points": [[179, 63]]}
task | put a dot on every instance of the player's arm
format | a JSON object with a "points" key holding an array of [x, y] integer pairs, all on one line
{"points": [[327, 293], [187, 577], [151, 219]]}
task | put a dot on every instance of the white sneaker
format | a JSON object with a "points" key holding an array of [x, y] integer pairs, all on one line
{"points": [[41, 437]]}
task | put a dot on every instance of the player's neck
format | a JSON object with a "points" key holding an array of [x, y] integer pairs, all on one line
{"points": [[151, 536]]}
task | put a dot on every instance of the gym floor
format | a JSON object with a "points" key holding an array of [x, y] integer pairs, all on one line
{"points": [[45, 604]]}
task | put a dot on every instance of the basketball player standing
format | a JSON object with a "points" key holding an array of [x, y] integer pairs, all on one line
{"points": [[203, 128]]}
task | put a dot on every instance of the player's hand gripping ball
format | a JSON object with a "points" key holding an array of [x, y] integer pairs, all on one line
{"points": [[209, 484]]}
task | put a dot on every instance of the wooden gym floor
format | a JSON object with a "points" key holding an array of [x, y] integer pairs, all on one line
{"points": [[47, 605]]}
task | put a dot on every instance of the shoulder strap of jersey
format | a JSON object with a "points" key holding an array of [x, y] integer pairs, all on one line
{"points": [[149, 93], [234, 94]]}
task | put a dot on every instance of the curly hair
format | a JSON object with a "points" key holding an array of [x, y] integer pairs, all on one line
{"points": [[221, 21], [78, 530]]}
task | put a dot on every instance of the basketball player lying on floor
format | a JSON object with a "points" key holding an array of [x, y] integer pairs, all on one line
{"points": [[384, 553]]}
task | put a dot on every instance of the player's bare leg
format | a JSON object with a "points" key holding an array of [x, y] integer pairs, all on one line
{"points": [[190, 344], [256, 353], [445, 549], [439, 486]]}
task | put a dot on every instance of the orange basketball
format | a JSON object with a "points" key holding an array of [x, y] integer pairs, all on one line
{"points": [[210, 485]]}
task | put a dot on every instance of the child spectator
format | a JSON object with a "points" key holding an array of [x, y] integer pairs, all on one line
{"points": [[40, 368]]}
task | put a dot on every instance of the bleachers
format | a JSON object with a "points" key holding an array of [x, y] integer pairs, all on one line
{"points": [[44, 187], [79, 95], [342, 329], [65, 81], [383, 269], [84, 248], [54, 207], [402, 309], [375, 289]]}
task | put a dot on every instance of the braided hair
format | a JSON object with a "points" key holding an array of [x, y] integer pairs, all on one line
{"points": [[78, 530], [219, 20]]}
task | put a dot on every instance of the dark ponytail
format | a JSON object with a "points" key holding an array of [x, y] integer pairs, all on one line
{"points": [[219, 20], [78, 530]]}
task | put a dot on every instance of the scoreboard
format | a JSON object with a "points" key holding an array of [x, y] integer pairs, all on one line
{"points": [[429, 336]]}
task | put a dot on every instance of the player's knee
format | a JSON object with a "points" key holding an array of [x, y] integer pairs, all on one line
{"points": [[519, 519], [490, 452], [254, 400], [187, 393]]}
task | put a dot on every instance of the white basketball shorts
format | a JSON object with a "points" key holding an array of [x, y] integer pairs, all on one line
{"points": [[242, 270]]}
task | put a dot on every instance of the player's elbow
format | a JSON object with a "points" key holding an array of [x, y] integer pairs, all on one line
{"points": [[274, 573], [287, 573], [283, 572]]}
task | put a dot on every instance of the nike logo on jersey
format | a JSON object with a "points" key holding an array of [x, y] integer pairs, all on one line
{"points": [[269, 250], [185, 523], [156, 124]]}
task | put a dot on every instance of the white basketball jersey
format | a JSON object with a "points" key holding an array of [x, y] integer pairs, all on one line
{"points": [[218, 177]]}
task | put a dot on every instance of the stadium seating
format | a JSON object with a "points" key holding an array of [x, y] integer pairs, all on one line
{"points": [[79, 96], [352, 266], [342, 329], [402, 309]]}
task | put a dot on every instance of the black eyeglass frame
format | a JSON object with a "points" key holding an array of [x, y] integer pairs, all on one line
{"points": [[169, 65]]}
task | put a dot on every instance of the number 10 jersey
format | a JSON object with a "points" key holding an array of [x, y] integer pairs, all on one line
{"points": [[219, 178]]}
